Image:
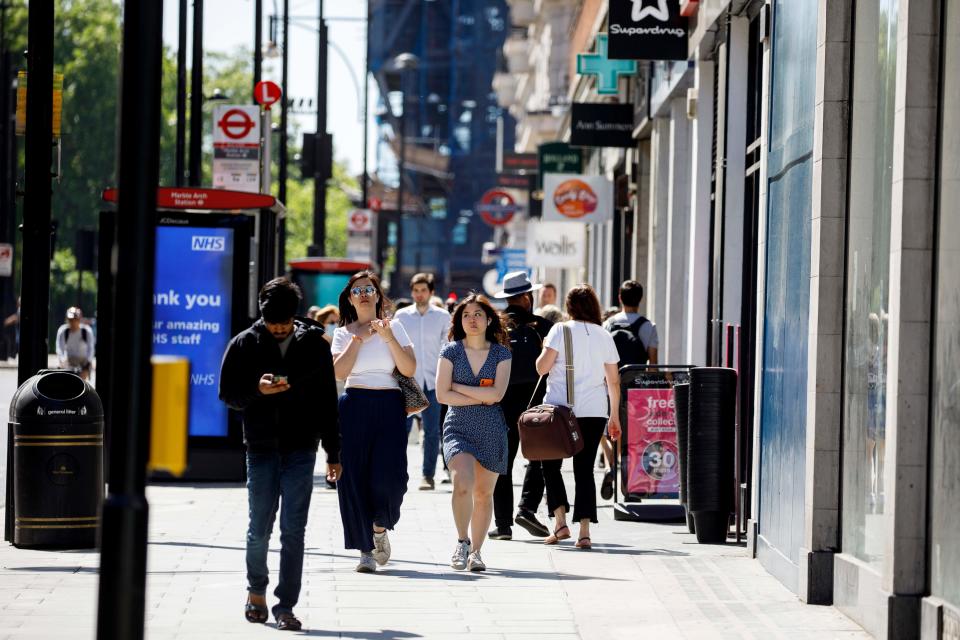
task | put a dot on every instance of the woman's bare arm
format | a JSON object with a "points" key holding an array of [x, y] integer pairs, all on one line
{"points": [[489, 395], [546, 360], [445, 393]]}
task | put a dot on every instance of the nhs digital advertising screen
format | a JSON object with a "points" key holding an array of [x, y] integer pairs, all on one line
{"points": [[192, 309]]}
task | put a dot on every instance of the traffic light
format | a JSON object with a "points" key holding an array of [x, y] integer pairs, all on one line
{"points": [[316, 151]]}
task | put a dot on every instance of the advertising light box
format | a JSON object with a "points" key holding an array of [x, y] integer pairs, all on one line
{"points": [[192, 306]]}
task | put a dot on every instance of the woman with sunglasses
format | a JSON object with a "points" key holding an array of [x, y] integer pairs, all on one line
{"points": [[366, 349], [472, 377]]}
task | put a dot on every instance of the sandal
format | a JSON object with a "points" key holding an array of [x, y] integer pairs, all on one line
{"points": [[584, 543], [256, 613], [556, 537], [288, 622]]}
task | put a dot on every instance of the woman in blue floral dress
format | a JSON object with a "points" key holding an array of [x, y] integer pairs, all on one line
{"points": [[472, 377]]}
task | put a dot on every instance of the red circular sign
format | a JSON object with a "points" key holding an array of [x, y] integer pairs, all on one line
{"points": [[375, 203], [497, 207], [267, 93], [236, 124]]}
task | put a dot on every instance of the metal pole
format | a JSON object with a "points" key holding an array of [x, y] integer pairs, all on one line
{"points": [[123, 556], [284, 101], [257, 43], [8, 208], [196, 96], [179, 177], [8, 215], [35, 287], [402, 165], [365, 186], [319, 179]]}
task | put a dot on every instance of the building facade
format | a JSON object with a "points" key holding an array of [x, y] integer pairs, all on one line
{"points": [[790, 207]]}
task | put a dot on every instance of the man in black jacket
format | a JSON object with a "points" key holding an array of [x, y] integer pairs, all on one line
{"points": [[279, 374], [527, 332]]}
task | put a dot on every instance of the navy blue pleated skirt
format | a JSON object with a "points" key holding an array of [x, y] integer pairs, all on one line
{"points": [[373, 428]]}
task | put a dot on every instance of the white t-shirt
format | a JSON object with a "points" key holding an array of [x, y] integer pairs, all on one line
{"points": [[592, 348], [374, 366]]}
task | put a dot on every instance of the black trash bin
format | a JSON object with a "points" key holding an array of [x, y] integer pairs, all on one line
{"points": [[56, 420], [710, 451]]}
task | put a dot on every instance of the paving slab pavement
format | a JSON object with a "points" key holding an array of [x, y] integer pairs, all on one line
{"points": [[641, 580]]}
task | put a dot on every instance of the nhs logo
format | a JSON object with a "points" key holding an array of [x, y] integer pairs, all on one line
{"points": [[208, 243]]}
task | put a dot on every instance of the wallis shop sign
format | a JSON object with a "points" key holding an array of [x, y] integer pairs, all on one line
{"points": [[647, 30]]}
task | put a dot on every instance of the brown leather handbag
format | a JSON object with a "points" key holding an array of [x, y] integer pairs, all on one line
{"points": [[551, 432]]}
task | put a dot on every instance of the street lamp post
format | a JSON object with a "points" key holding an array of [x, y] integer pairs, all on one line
{"points": [[123, 539], [181, 142], [401, 64], [284, 101], [196, 97], [319, 171]]}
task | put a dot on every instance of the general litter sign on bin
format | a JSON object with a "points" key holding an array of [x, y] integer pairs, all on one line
{"points": [[652, 463], [236, 148]]}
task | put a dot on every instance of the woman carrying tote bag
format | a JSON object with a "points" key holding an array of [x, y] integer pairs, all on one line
{"points": [[596, 388], [368, 350]]}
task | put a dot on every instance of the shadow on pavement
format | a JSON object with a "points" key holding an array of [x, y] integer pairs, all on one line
{"points": [[385, 634], [613, 549], [93, 570]]}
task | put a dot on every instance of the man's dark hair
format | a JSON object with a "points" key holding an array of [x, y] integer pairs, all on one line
{"points": [[279, 300], [423, 278], [631, 293], [550, 285]]}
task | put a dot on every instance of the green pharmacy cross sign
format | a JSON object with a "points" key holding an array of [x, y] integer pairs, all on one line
{"points": [[608, 71]]}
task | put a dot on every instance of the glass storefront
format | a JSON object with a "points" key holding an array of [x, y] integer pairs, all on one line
{"points": [[945, 390], [868, 290]]}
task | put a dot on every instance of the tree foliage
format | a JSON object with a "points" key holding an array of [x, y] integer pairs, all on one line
{"points": [[87, 43]]}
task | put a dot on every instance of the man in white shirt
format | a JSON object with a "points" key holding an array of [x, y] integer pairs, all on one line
{"points": [[427, 326], [76, 343]]}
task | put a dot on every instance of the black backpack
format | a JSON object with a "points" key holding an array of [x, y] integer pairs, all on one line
{"points": [[525, 347], [630, 347]]}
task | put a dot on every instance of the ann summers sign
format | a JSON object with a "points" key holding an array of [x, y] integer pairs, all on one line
{"points": [[647, 30], [595, 124]]}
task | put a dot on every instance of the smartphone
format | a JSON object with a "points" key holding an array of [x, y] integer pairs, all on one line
{"points": [[279, 379]]}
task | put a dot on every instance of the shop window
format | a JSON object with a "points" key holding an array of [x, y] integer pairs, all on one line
{"points": [[868, 281], [945, 390]]}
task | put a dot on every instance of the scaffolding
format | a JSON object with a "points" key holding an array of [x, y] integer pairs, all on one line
{"points": [[450, 127]]}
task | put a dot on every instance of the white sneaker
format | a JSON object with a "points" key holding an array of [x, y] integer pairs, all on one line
{"points": [[459, 558], [475, 562], [367, 563], [381, 544]]}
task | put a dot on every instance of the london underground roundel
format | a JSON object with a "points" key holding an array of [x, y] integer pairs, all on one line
{"points": [[497, 207], [575, 199]]}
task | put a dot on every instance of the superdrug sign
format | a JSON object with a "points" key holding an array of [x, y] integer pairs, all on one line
{"points": [[647, 30]]}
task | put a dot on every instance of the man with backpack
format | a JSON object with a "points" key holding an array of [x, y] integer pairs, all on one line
{"points": [[527, 332], [635, 336], [637, 342], [76, 344]]}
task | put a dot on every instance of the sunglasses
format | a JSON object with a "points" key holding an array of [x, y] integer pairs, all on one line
{"points": [[369, 290]]}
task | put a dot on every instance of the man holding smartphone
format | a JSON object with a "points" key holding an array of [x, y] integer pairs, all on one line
{"points": [[279, 374]]}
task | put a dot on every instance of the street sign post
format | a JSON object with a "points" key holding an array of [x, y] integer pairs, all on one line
{"points": [[267, 93], [360, 226], [236, 148]]}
